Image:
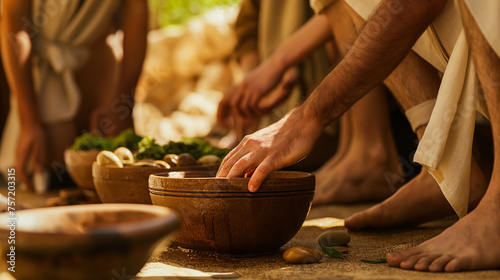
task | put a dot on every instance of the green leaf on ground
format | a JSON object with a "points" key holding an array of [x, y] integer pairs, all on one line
{"points": [[332, 252], [382, 260]]}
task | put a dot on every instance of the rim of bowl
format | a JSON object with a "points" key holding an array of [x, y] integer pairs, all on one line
{"points": [[163, 219], [277, 182]]}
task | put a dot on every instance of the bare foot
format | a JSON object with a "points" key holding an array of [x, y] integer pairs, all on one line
{"points": [[420, 200], [358, 176], [470, 244]]}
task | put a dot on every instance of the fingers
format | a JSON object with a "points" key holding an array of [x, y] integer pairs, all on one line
{"points": [[260, 174], [230, 159], [272, 100]]}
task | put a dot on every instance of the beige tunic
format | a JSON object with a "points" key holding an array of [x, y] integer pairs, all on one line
{"points": [[63, 31], [446, 147]]}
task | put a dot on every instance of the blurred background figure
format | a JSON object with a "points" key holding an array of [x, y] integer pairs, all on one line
{"points": [[261, 27], [72, 67]]}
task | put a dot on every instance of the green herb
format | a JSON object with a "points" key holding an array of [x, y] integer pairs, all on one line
{"points": [[382, 260], [197, 147], [332, 252], [128, 139], [89, 141], [148, 149]]}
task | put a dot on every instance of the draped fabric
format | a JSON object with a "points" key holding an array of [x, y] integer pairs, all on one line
{"points": [[63, 31], [446, 147]]}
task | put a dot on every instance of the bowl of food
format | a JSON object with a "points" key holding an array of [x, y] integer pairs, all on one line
{"points": [[85, 241], [220, 214], [82, 154], [121, 177]]}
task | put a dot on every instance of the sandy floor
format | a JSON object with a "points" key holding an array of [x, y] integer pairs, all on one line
{"points": [[175, 263]]}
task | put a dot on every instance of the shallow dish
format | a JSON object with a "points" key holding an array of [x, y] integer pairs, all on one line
{"points": [[220, 214], [129, 184], [86, 241]]}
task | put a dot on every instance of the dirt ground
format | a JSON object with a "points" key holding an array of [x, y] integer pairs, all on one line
{"points": [[177, 263]]}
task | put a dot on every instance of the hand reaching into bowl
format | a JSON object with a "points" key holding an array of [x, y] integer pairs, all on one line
{"points": [[272, 148]]}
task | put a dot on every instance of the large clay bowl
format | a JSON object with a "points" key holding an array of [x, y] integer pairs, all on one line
{"points": [[79, 166], [130, 183], [85, 241], [220, 214]]}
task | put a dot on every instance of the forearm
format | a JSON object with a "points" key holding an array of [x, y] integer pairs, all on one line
{"points": [[249, 61], [382, 44], [134, 26], [312, 35], [16, 56]]}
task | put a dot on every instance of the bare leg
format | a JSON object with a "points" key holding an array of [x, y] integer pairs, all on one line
{"points": [[468, 244], [413, 82], [356, 172]]}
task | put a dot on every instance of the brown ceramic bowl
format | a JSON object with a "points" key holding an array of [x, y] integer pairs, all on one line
{"points": [[86, 241], [130, 183], [220, 214], [79, 166]]}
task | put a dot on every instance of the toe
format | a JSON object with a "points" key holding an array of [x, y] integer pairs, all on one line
{"points": [[459, 264], [409, 263], [424, 262], [439, 263], [398, 258], [394, 259]]}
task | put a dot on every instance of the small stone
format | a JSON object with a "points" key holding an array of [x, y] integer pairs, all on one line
{"points": [[334, 238], [302, 255]]}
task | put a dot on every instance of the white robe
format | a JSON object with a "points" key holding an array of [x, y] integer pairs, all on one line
{"points": [[63, 32]]}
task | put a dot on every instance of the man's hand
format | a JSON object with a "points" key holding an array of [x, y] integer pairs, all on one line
{"points": [[257, 84], [31, 152], [281, 91], [272, 148]]}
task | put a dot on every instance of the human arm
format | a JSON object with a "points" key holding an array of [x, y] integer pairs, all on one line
{"points": [[134, 24], [274, 79], [16, 49], [271, 72], [382, 44]]}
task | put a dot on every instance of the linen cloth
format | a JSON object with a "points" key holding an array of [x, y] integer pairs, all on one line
{"points": [[446, 147], [63, 31]]}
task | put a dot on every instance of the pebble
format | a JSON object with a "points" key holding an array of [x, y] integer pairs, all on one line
{"points": [[334, 238], [302, 255]]}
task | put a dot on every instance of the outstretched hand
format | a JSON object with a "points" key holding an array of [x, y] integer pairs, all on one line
{"points": [[257, 84], [272, 148]]}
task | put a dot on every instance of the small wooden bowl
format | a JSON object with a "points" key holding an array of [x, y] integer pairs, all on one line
{"points": [[79, 166], [86, 241], [220, 214], [130, 183]]}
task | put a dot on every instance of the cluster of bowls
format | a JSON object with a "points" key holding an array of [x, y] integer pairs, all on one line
{"points": [[215, 214]]}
